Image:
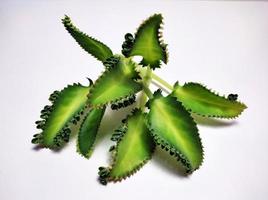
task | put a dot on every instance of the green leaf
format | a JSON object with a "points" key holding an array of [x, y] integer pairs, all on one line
{"points": [[67, 107], [88, 131], [175, 131], [198, 99], [134, 148], [115, 83], [89, 44], [148, 42]]}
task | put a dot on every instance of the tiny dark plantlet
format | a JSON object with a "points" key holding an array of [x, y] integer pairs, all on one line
{"points": [[160, 120]]}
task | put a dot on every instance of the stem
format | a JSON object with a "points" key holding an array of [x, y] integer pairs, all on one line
{"points": [[143, 100], [146, 92], [161, 81]]}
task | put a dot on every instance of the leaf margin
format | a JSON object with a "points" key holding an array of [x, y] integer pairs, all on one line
{"points": [[106, 52]]}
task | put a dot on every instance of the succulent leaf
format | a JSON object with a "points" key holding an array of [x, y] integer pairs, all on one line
{"points": [[88, 131], [175, 131], [148, 42], [89, 44], [133, 149], [115, 84], [200, 100], [67, 107]]}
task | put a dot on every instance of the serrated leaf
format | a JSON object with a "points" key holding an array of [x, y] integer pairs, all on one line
{"points": [[200, 100], [88, 131], [89, 44], [175, 131], [115, 83], [148, 42], [133, 149], [66, 108]]}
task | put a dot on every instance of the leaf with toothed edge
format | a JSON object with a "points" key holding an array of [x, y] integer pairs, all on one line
{"points": [[200, 100], [148, 42], [115, 83], [89, 44], [175, 131], [134, 148], [66, 108], [88, 131]]}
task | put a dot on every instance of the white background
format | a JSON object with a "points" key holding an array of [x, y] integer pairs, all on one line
{"points": [[222, 44]]}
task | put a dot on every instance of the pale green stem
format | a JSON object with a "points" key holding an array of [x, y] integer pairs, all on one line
{"points": [[146, 91], [161, 81], [143, 99]]}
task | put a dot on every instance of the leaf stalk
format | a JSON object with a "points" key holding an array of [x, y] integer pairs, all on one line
{"points": [[146, 92], [161, 81]]}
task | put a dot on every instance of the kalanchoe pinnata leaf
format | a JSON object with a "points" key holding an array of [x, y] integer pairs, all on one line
{"points": [[89, 44], [175, 131], [66, 108], [88, 131], [133, 149], [148, 42], [115, 83], [200, 100]]}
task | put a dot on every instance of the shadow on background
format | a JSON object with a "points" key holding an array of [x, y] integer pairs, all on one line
{"points": [[168, 163]]}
